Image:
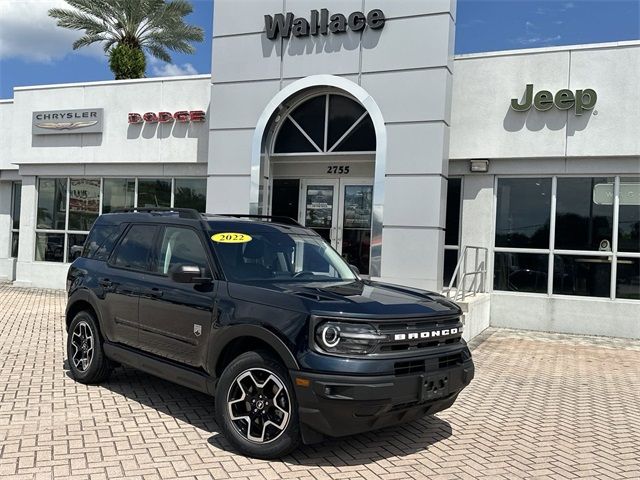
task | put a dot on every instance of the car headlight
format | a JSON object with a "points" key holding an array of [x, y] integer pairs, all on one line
{"points": [[347, 338]]}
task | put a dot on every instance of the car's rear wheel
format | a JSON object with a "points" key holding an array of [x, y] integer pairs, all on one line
{"points": [[87, 362], [256, 406]]}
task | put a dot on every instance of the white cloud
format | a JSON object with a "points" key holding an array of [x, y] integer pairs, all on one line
{"points": [[538, 40], [171, 69], [27, 32]]}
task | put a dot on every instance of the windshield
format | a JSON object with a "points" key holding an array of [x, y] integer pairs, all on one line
{"points": [[278, 256]]}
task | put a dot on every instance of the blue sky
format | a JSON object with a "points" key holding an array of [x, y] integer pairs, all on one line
{"points": [[34, 51]]}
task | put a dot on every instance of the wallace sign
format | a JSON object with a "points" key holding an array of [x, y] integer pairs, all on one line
{"points": [[321, 23]]}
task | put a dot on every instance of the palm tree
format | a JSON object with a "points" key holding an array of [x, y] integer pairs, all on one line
{"points": [[129, 28]]}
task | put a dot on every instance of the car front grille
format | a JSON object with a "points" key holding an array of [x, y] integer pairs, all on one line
{"points": [[420, 334]]}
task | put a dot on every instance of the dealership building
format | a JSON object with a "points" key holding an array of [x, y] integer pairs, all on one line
{"points": [[356, 119]]}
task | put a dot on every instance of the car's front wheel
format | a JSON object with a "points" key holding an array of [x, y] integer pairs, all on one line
{"points": [[256, 406], [85, 355]]}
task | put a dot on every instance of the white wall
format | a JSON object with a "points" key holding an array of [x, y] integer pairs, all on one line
{"points": [[6, 117], [585, 316], [484, 126], [120, 142]]}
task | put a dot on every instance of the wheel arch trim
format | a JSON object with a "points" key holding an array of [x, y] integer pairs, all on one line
{"points": [[83, 296], [231, 333]]}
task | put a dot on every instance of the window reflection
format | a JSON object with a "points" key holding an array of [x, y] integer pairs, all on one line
{"points": [[118, 193], [521, 272], [75, 245], [629, 217], [628, 281], [49, 247], [581, 275], [84, 203], [52, 203], [154, 193], [15, 205], [583, 220], [15, 241], [523, 213], [191, 193]]}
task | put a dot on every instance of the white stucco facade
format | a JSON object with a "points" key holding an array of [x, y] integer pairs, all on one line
{"points": [[431, 115]]}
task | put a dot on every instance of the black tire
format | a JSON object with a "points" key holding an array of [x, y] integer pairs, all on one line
{"points": [[280, 436], [98, 367]]}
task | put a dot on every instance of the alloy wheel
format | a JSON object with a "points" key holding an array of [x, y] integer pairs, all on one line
{"points": [[82, 341], [259, 405]]}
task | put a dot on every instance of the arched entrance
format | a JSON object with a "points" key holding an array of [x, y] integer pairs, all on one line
{"points": [[318, 157]]}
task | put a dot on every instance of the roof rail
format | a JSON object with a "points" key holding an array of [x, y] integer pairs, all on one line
{"points": [[190, 213], [272, 218]]}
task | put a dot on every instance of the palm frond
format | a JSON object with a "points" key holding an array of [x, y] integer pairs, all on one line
{"points": [[159, 52]]}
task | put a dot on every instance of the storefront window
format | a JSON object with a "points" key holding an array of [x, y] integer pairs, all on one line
{"points": [[581, 275], [523, 213], [52, 203], [582, 249], [75, 244], [59, 239], [191, 193], [16, 195], [452, 228], [49, 247], [628, 279], [521, 272], [84, 203], [584, 217], [118, 193], [629, 216], [154, 192]]}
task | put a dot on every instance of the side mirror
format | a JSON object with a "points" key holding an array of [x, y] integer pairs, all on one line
{"points": [[187, 274], [354, 269]]}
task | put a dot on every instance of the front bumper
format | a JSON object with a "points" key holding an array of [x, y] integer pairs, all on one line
{"points": [[339, 405]]}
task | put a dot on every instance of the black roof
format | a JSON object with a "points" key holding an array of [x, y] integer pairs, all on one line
{"points": [[187, 216]]}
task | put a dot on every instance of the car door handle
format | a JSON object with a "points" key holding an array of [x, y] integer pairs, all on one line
{"points": [[153, 292], [105, 282]]}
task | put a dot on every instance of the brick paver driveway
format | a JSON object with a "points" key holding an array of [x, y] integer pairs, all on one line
{"points": [[541, 406]]}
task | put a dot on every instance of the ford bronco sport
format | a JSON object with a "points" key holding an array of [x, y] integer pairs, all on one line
{"points": [[267, 317]]}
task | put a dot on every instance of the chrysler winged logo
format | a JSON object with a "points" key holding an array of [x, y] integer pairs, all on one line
{"points": [[66, 125], [64, 122], [426, 334]]}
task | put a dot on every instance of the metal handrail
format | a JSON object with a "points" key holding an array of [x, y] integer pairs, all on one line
{"points": [[460, 274]]}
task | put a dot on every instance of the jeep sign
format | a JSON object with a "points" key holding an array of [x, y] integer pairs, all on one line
{"points": [[321, 23], [563, 100]]}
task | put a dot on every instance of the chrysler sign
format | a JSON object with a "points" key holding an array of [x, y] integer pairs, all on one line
{"points": [[56, 122]]}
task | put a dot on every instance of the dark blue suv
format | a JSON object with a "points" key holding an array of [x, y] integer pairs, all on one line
{"points": [[266, 316]]}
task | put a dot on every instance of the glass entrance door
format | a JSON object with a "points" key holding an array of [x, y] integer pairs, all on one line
{"points": [[319, 205], [340, 211], [354, 225]]}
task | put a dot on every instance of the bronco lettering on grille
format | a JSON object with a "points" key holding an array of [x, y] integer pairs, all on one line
{"points": [[428, 334]]}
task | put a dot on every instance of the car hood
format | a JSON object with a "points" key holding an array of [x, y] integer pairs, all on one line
{"points": [[359, 298]]}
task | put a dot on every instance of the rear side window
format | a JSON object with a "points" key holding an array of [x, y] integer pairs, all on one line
{"points": [[134, 249], [101, 241]]}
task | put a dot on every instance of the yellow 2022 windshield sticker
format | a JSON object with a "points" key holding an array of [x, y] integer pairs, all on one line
{"points": [[231, 237]]}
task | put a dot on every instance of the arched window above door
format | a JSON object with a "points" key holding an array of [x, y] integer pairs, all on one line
{"points": [[327, 123]]}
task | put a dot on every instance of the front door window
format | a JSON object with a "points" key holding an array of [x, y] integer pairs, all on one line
{"points": [[339, 210], [356, 225], [319, 210]]}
